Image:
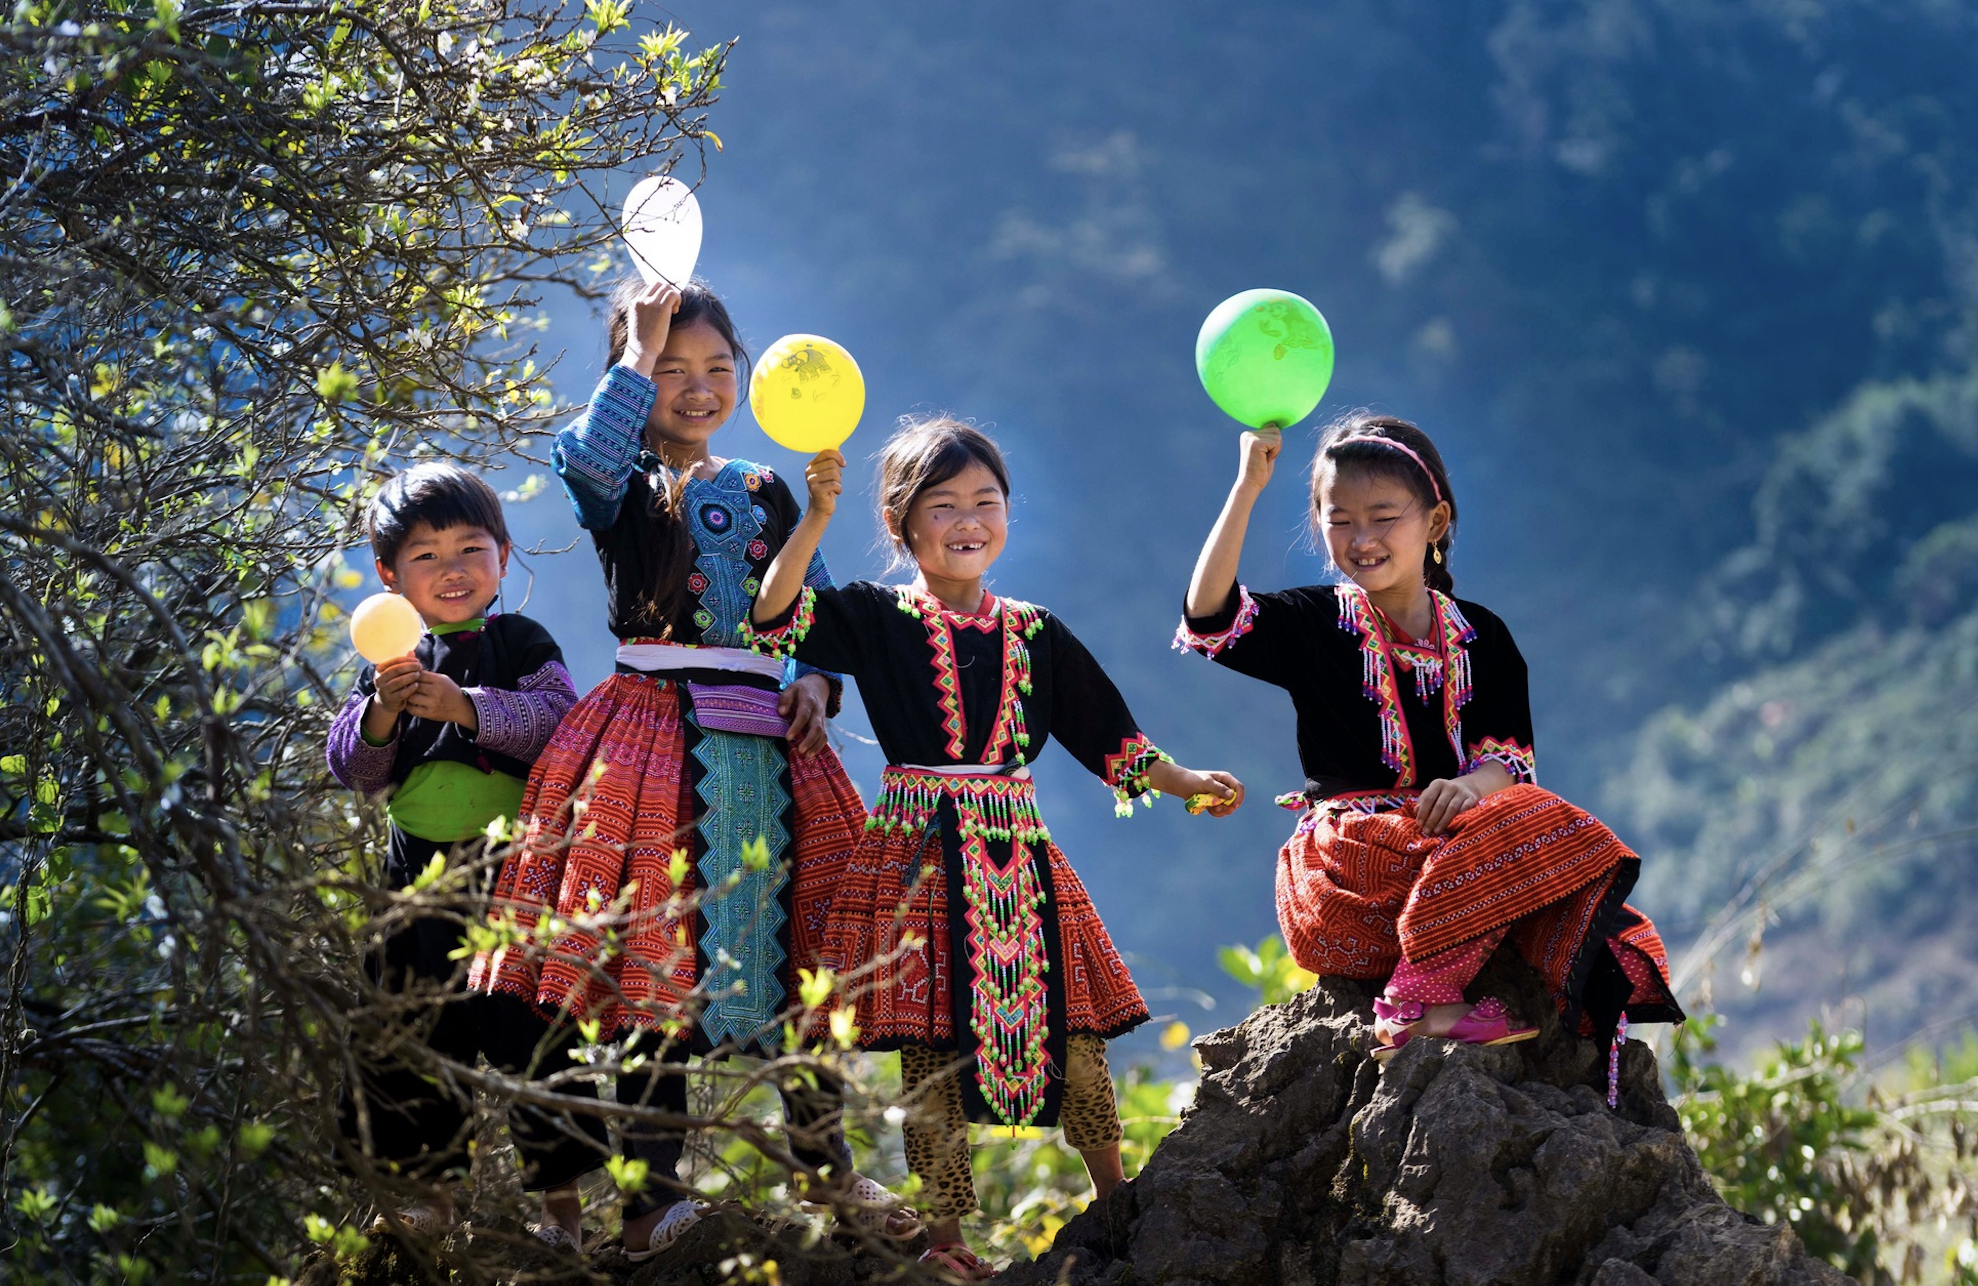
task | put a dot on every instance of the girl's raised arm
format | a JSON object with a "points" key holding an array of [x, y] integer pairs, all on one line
{"points": [[596, 456], [785, 578], [1215, 571]]}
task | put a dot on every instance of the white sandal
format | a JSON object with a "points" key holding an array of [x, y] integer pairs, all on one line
{"points": [[871, 1209], [423, 1220], [682, 1215], [557, 1237]]}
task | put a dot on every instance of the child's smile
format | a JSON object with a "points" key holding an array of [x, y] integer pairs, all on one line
{"points": [[956, 529], [1377, 531], [449, 574], [697, 390]]}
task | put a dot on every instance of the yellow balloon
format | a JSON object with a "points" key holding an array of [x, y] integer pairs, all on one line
{"points": [[385, 626], [807, 393]]}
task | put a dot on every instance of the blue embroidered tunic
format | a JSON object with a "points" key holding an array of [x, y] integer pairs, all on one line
{"points": [[687, 573], [734, 523]]}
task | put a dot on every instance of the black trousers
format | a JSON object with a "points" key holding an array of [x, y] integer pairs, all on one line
{"points": [[423, 1126]]}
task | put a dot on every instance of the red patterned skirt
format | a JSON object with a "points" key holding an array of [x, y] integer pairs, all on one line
{"points": [[1359, 891], [956, 902], [627, 782]]}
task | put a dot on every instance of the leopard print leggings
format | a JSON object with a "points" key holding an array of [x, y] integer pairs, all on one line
{"points": [[936, 1127]]}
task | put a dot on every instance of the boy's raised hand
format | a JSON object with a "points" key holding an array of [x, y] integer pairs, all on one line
{"points": [[825, 476], [1260, 449], [649, 322]]}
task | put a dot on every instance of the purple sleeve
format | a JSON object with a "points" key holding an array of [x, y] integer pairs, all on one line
{"points": [[355, 762], [518, 721], [596, 455]]}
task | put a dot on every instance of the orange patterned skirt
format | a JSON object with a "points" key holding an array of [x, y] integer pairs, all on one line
{"points": [[628, 781], [1357, 891]]}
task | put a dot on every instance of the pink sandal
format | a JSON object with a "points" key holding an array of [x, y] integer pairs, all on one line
{"points": [[956, 1262], [1487, 1023]]}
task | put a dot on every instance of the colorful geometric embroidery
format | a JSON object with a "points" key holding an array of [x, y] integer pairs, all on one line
{"points": [[1003, 923], [1519, 760], [1127, 769], [998, 807], [724, 525], [781, 640], [1445, 666], [1209, 645], [1019, 623], [742, 803]]}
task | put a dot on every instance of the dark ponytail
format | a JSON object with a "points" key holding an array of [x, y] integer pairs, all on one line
{"points": [[1354, 441], [666, 566]]}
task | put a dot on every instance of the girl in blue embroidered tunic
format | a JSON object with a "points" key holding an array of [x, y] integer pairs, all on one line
{"points": [[694, 743], [1424, 841], [968, 942]]}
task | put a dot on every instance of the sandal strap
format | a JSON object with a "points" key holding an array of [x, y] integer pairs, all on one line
{"points": [[1398, 1011]]}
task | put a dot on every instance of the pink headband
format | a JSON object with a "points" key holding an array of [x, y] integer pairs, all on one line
{"points": [[1402, 447]]}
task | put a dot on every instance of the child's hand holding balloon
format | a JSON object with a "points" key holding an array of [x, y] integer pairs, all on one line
{"points": [[825, 476], [397, 680], [435, 696], [1260, 451], [650, 323]]}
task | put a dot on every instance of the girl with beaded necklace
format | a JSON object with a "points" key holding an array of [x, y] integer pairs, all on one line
{"points": [[1423, 842], [966, 941]]}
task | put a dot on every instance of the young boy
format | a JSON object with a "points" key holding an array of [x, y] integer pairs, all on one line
{"points": [[450, 732]]}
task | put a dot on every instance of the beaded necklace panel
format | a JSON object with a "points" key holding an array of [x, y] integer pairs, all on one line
{"points": [[1003, 920], [1019, 622], [1441, 662]]}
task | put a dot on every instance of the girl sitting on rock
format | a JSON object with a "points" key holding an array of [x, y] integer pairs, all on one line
{"points": [[1423, 842]]}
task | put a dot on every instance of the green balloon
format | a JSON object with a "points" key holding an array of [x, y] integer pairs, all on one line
{"points": [[1265, 356]]}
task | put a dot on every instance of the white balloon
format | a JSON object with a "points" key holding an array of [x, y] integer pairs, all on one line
{"points": [[663, 229]]}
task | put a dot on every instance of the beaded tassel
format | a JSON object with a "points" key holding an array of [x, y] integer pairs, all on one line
{"points": [[1006, 947], [1614, 1062]]}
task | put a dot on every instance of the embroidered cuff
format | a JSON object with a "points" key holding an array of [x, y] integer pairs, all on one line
{"points": [[596, 455], [358, 764], [1126, 772], [1519, 761], [519, 722], [1213, 642], [782, 640]]}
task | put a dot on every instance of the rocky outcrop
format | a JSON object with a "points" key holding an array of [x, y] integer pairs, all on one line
{"points": [[1306, 1163]]}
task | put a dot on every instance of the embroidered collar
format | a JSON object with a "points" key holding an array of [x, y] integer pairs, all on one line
{"points": [[1009, 738], [457, 627], [1439, 663]]}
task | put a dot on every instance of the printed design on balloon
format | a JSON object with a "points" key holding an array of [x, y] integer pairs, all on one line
{"points": [[807, 393], [1265, 357], [725, 527]]}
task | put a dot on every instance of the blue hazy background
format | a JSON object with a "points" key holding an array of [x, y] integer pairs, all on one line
{"points": [[1687, 293]]}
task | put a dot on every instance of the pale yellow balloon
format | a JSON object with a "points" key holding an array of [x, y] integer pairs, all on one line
{"points": [[385, 626], [807, 393]]}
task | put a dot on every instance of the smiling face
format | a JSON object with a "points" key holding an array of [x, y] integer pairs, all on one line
{"points": [[450, 574], [1377, 530], [696, 375], [955, 529]]}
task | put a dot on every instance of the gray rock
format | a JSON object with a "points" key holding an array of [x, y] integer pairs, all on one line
{"points": [[1303, 1162]]}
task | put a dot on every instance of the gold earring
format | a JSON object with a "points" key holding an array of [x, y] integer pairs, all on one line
{"points": [[1438, 555]]}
